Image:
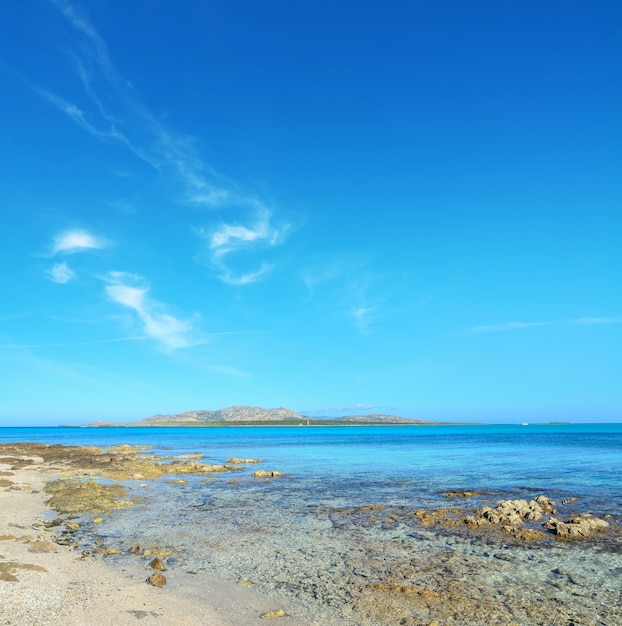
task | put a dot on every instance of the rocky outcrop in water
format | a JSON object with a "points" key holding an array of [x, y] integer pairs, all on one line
{"points": [[577, 527], [511, 512]]}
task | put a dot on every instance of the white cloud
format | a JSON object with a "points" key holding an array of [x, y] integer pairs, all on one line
{"points": [[171, 333], [72, 241], [60, 273], [228, 239]]}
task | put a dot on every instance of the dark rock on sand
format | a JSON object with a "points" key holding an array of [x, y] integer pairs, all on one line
{"points": [[157, 580], [157, 564]]}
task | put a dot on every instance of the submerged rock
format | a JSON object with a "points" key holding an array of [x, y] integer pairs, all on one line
{"points": [[461, 494]]}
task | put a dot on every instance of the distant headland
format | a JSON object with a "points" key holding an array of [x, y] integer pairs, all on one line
{"points": [[258, 416]]}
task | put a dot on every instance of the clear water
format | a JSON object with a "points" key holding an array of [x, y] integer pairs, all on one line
{"points": [[298, 537]]}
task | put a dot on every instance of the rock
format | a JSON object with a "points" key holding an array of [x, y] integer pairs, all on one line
{"points": [[157, 564], [545, 503], [239, 461], [262, 473], [41, 546], [569, 500], [157, 580], [515, 512], [274, 614], [76, 496], [577, 527], [526, 534], [460, 494]]}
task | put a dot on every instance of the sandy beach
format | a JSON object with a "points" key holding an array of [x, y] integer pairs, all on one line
{"points": [[42, 582]]}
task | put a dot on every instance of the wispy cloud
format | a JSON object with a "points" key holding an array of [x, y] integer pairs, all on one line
{"points": [[60, 273], [226, 240], [362, 316], [72, 241], [122, 118], [344, 284], [118, 116], [508, 326], [170, 332]]}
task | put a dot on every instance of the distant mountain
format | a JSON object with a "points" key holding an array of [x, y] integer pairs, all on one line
{"points": [[230, 414], [258, 415]]}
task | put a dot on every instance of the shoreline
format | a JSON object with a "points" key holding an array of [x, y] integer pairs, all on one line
{"points": [[257, 553], [42, 582]]}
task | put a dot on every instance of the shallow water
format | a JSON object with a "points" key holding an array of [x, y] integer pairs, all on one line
{"points": [[304, 537]]}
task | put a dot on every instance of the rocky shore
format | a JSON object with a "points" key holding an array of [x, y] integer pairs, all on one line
{"points": [[45, 580], [235, 555]]}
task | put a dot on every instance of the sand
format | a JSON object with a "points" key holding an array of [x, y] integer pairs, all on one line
{"points": [[44, 583]]}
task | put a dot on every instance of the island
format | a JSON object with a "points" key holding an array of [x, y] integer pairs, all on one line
{"points": [[258, 416]]}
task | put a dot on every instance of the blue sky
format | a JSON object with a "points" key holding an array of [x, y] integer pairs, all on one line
{"points": [[337, 207]]}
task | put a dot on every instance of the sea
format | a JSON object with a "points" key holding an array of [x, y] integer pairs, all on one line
{"points": [[339, 536]]}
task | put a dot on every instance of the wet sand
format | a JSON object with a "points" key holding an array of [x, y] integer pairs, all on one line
{"points": [[42, 582]]}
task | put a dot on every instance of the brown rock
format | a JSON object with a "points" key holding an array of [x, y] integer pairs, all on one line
{"points": [[157, 580], [157, 564]]}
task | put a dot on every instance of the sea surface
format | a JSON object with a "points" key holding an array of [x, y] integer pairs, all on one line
{"points": [[338, 539]]}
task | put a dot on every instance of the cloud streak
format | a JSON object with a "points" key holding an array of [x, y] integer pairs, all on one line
{"points": [[170, 332], [510, 326]]}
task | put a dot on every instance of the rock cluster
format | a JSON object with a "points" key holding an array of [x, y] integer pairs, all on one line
{"points": [[508, 515], [511, 512], [577, 527]]}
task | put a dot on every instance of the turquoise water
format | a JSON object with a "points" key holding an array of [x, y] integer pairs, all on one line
{"points": [[585, 459], [302, 538]]}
